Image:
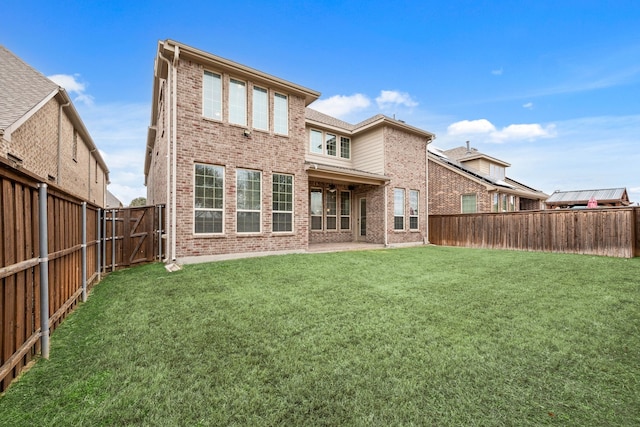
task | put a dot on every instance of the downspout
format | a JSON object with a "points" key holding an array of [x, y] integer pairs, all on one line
{"points": [[59, 167], [168, 124], [89, 173], [174, 184]]}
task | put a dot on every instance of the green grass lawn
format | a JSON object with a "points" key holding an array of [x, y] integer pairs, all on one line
{"points": [[419, 336]]}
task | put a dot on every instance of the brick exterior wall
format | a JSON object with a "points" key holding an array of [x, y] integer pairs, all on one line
{"points": [[447, 187], [206, 141], [405, 163], [157, 183], [36, 143]]}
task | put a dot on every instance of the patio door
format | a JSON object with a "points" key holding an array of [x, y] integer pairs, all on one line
{"points": [[362, 218]]}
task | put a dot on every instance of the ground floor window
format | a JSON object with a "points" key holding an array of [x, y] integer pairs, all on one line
{"points": [[282, 215], [208, 198], [469, 203], [315, 209], [345, 210], [398, 209], [414, 203], [248, 201], [330, 209]]}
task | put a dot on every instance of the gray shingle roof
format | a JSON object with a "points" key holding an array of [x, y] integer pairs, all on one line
{"points": [[21, 88], [317, 116]]}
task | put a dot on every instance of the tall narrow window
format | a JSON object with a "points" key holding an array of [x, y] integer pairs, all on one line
{"points": [[260, 108], [398, 209], [469, 203], [495, 206], [330, 143], [345, 147], [281, 114], [212, 96], [316, 209], [315, 141], [414, 203], [332, 210], [237, 102], [208, 198], [248, 202], [504, 203], [282, 203], [345, 210], [74, 147]]}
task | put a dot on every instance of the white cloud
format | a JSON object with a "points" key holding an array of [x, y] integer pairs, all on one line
{"points": [[528, 105], [515, 132], [391, 97], [73, 86], [497, 72], [466, 127], [524, 132], [341, 105]]}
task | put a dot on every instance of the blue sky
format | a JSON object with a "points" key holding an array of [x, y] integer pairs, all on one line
{"points": [[551, 87]]}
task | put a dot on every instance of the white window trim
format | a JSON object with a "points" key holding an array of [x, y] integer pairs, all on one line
{"points": [[220, 76], [462, 202], [311, 132], [350, 210], [404, 210], [293, 204], [417, 216], [253, 107], [193, 185], [244, 98], [322, 228], [326, 211], [275, 114], [250, 210]]}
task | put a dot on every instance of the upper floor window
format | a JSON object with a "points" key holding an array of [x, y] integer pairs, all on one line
{"points": [[260, 108], [327, 143], [315, 141], [281, 114], [74, 146], [237, 102], [496, 171], [212, 96]]}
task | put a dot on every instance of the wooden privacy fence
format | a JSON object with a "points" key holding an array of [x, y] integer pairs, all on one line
{"points": [[53, 249], [606, 231]]}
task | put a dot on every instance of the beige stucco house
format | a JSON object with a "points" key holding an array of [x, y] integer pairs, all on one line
{"points": [[244, 166], [464, 180], [42, 132]]}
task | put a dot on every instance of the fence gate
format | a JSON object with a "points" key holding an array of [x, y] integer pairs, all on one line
{"points": [[131, 236]]}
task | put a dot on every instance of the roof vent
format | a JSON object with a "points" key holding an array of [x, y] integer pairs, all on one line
{"points": [[468, 148]]}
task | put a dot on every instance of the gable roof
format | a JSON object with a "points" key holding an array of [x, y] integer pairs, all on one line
{"points": [[491, 183], [22, 88], [464, 154], [314, 116], [583, 196]]}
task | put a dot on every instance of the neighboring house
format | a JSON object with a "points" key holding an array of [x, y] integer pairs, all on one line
{"points": [[112, 201], [463, 180], [243, 166], [580, 198], [41, 131]]}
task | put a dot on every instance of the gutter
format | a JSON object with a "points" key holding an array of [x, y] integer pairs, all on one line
{"points": [[169, 135]]}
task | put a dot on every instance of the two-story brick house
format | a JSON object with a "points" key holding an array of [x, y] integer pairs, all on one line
{"points": [[42, 132], [464, 180], [243, 166]]}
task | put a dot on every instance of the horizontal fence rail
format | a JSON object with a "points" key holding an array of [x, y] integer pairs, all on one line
{"points": [[605, 231], [52, 252]]}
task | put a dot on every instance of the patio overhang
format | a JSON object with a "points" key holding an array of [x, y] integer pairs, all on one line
{"points": [[338, 174]]}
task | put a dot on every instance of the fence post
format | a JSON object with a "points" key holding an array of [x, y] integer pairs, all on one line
{"points": [[104, 241], [159, 233], [44, 270], [99, 244], [113, 240], [84, 251]]}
